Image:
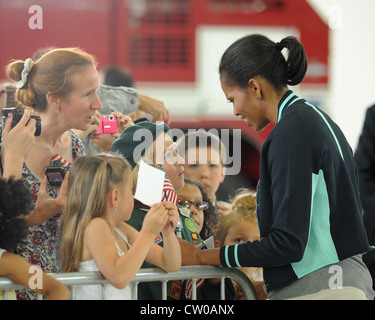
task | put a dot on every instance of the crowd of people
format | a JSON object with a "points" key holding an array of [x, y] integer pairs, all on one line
{"points": [[304, 217]]}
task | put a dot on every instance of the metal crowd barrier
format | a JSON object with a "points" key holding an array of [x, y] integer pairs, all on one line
{"points": [[194, 273]]}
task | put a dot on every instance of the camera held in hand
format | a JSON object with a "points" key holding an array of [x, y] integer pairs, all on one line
{"points": [[108, 124], [55, 173], [17, 114]]}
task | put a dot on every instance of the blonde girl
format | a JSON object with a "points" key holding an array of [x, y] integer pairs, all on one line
{"points": [[95, 236], [239, 227], [242, 213]]}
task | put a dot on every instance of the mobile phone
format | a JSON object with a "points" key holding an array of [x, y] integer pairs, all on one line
{"points": [[55, 173], [108, 124]]}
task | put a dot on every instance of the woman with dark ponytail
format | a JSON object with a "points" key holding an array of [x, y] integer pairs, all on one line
{"points": [[308, 207], [256, 55]]}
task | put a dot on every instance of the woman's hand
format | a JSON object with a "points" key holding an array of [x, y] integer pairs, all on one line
{"points": [[17, 142], [93, 128], [123, 121], [193, 256], [46, 206], [104, 141], [153, 107]]}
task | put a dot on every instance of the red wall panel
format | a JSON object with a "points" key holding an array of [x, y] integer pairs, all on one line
{"points": [[65, 23], [155, 38]]}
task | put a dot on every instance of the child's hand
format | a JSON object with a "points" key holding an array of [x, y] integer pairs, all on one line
{"points": [[155, 219], [173, 217]]}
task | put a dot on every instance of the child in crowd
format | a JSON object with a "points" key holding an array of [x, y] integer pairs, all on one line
{"points": [[192, 197], [152, 143], [95, 236], [204, 163], [239, 227], [15, 204]]}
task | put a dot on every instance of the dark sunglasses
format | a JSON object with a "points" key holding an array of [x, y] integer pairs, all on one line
{"points": [[201, 205]]}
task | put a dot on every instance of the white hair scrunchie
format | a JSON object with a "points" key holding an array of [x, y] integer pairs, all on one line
{"points": [[28, 65]]}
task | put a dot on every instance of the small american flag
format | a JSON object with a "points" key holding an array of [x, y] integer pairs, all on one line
{"points": [[169, 193]]}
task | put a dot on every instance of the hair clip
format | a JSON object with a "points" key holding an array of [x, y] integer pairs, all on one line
{"points": [[27, 66]]}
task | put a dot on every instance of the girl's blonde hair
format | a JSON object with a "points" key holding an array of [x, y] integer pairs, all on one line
{"points": [[51, 73], [243, 209], [244, 201], [90, 180]]}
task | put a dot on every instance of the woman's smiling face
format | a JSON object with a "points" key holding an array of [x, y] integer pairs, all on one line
{"points": [[245, 105]]}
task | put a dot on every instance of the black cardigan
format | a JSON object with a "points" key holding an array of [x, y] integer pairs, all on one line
{"points": [[309, 210]]}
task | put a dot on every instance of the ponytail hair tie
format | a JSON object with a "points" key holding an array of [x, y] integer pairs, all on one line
{"points": [[28, 65], [279, 46]]}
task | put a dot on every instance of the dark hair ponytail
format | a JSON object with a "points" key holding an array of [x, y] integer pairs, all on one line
{"points": [[256, 55], [296, 62]]}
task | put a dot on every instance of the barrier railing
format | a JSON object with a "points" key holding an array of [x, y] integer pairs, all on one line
{"points": [[194, 273]]}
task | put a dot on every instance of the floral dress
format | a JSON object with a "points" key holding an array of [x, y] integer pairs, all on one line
{"points": [[41, 246]]}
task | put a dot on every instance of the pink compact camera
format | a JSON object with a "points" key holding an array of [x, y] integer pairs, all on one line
{"points": [[108, 124]]}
